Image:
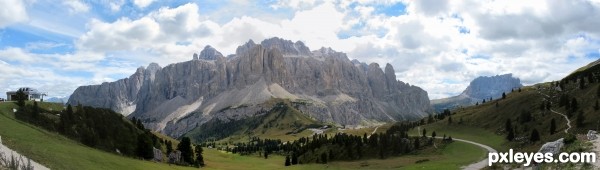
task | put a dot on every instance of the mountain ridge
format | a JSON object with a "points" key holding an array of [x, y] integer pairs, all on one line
{"points": [[176, 98], [480, 88]]}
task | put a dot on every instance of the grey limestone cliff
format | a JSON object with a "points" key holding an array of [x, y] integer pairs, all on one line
{"points": [[180, 96], [480, 88]]}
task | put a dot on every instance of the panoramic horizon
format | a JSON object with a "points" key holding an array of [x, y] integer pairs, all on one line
{"points": [[438, 46], [299, 84]]}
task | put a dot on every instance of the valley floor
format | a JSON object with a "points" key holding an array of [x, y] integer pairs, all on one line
{"points": [[453, 156]]}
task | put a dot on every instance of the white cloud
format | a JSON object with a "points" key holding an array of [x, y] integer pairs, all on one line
{"points": [[13, 11], [142, 3], [76, 6], [116, 5]]}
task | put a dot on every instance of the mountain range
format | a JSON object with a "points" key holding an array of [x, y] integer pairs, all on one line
{"points": [[324, 84], [480, 88]]}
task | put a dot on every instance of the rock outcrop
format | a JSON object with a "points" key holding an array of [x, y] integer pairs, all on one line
{"points": [[327, 85], [479, 89]]}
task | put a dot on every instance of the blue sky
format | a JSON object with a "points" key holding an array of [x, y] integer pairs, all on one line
{"points": [[58, 46]]}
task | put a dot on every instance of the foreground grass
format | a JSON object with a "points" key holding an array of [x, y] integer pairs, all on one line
{"points": [[57, 152], [452, 156], [474, 134]]}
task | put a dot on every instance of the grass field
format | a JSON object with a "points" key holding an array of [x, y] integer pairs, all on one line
{"points": [[57, 152], [452, 156], [474, 134]]}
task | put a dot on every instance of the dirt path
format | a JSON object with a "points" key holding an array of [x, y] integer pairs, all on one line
{"points": [[481, 164], [477, 165], [375, 130], [553, 111]]}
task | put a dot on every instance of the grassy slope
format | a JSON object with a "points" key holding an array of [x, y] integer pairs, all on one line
{"points": [[485, 123], [281, 122], [58, 152], [453, 156]]}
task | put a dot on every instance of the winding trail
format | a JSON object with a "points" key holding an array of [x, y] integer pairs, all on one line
{"points": [[481, 164], [477, 165], [375, 130], [553, 111]]}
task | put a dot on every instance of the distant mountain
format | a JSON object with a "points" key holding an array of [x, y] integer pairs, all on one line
{"points": [[62, 100], [323, 84], [479, 89]]}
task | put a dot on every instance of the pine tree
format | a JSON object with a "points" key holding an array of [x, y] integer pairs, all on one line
{"points": [[535, 136], [294, 158], [36, 110], [185, 147], [169, 147], [287, 161], [574, 105], [21, 97], [424, 132], [580, 119], [144, 147], [503, 95], [511, 135], [324, 158], [417, 143], [581, 83], [552, 126], [199, 157], [598, 92], [507, 125], [433, 134]]}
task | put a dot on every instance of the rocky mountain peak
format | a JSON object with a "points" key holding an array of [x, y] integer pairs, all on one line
{"points": [[244, 48], [209, 53], [286, 47], [493, 86]]}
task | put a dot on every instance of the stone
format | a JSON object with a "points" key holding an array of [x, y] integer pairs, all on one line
{"points": [[158, 155], [592, 135], [552, 147]]}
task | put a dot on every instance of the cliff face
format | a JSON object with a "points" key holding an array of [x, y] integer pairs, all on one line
{"points": [[331, 88], [480, 88]]}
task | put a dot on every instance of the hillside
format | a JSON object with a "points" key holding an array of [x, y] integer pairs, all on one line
{"points": [[282, 121], [58, 152], [532, 107]]}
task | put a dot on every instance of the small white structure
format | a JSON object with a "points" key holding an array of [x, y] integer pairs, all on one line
{"points": [[31, 93]]}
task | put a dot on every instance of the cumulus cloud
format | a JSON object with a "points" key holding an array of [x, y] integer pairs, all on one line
{"points": [[76, 6], [142, 3], [13, 11]]}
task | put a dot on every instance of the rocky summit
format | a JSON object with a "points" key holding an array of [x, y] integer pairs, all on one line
{"points": [[479, 89], [326, 84]]}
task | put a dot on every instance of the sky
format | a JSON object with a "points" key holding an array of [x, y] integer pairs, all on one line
{"points": [[440, 46]]}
